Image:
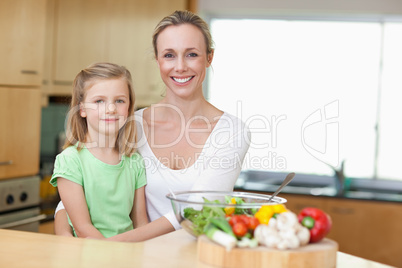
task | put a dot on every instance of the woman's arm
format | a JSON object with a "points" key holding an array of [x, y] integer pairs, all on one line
{"points": [[61, 225], [72, 195], [139, 212], [153, 229]]}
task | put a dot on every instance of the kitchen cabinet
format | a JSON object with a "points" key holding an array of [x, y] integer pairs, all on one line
{"points": [[365, 228], [80, 37], [369, 229], [81, 32], [22, 28], [20, 131], [296, 203]]}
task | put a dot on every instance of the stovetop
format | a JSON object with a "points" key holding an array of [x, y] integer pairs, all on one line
{"points": [[19, 193]]}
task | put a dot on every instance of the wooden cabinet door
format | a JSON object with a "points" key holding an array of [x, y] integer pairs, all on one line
{"points": [[20, 132], [118, 31], [22, 28], [348, 219], [368, 229], [296, 203], [81, 37], [130, 44]]}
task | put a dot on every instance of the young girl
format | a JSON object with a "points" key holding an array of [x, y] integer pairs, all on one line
{"points": [[99, 175]]}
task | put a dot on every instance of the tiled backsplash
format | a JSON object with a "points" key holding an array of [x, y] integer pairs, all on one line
{"points": [[53, 120]]}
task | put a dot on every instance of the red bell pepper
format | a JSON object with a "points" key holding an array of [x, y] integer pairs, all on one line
{"points": [[317, 221]]}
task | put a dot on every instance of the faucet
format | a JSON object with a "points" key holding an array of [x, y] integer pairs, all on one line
{"points": [[339, 179]]}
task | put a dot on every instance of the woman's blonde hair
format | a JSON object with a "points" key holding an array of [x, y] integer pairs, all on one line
{"points": [[76, 127], [183, 17]]}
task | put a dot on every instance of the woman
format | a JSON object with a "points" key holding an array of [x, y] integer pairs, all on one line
{"points": [[186, 142]]}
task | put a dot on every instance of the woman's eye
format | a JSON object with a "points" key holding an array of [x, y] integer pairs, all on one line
{"points": [[99, 101], [168, 55], [193, 54], [120, 101]]}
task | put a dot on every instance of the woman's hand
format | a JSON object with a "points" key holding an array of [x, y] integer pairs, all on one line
{"points": [[153, 229]]}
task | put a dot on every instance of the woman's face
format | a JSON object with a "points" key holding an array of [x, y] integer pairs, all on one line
{"points": [[182, 60]]}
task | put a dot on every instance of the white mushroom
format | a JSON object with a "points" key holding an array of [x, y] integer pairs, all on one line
{"points": [[289, 243], [266, 235], [293, 242], [287, 233], [286, 220], [272, 223], [284, 232], [303, 234], [272, 240]]}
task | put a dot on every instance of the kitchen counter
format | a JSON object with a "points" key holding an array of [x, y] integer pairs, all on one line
{"points": [[177, 249]]}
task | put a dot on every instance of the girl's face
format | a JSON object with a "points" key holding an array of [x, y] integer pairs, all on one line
{"points": [[105, 107], [182, 60]]}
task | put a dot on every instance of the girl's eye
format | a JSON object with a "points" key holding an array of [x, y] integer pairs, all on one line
{"points": [[120, 101], [99, 101], [193, 54]]}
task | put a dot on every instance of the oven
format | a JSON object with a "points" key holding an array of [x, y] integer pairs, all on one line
{"points": [[20, 204]]}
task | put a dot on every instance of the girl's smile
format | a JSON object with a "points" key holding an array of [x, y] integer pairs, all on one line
{"points": [[110, 120]]}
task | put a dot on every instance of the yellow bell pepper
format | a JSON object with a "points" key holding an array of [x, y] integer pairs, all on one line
{"points": [[279, 208], [230, 210], [265, 213]]}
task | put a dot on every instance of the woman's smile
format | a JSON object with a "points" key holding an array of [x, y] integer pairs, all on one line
{"points": [[182, 80]]}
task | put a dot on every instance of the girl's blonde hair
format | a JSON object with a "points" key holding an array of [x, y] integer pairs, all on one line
{"points": [[183, 17], [76, 127]]}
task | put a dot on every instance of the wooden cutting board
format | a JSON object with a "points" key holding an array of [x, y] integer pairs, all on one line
{"points": [[316, 255]]}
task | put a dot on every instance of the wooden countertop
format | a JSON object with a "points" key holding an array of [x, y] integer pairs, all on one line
{"points": [[177, 249]]}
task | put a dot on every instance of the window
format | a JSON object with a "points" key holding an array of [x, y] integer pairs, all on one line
{"points": [[314, 93]]}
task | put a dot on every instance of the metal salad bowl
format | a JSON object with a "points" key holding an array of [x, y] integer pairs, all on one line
{"points": [[193, 208]]}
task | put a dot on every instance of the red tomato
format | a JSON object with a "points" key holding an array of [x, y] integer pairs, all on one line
{"points": [[253, 223], [239, 229], [235, 219], [246, 219]]}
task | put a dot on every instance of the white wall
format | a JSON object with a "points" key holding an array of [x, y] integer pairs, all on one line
{"points": [[365, 8]]}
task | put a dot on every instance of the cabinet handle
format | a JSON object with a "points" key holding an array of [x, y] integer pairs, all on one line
{"points": [[6, 163], [62, 83], [343, 210], [301, 206], [29, 72]]}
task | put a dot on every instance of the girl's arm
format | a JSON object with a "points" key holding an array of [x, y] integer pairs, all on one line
{"points": [[139, 212], [72, 195], [153, 229]]}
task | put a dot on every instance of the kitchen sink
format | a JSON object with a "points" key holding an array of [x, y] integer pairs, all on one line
{"points": [[301, 184], [318, 185]]}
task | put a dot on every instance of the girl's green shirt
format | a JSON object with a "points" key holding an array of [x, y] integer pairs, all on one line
{"points": [[109, 189]]}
